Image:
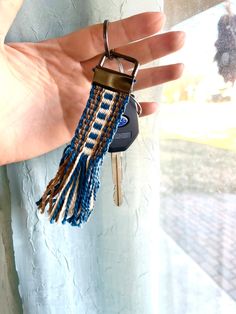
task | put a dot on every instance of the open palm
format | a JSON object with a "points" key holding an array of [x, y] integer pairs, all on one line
{"points": [[45, 85]]}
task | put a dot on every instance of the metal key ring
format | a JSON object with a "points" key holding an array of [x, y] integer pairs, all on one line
{"points": [[139, 108], [105, 38]]}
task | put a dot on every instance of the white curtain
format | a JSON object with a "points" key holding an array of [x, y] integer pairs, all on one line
{"points": [[120, 261], [108, 266]]}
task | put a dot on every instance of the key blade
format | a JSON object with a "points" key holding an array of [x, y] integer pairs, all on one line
{"points": [[116, 161]]}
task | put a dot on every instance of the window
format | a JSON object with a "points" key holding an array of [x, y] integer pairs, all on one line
{"points": [[198, 178]]}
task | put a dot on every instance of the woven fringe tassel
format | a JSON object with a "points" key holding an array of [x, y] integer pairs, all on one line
{"points": [[70, 196]]}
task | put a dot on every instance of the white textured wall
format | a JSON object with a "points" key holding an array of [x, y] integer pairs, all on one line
{"points": [[110, 265]]}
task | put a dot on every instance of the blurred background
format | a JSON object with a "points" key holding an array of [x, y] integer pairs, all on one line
{"points": [[198, 171]]}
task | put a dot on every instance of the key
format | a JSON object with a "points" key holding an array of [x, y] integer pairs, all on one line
{"points": [[116, 162], [126, 134]]}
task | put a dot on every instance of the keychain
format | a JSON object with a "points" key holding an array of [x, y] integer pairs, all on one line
{"points": [[71, 194], [126, 134]]}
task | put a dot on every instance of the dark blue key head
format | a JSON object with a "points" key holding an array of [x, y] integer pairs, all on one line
{"points": [[128, 129]]}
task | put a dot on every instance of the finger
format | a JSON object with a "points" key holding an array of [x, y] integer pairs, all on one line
{"points": [[155, 47], [88, 42], [146, 50], [158, 75], [8, 12], [148, 108]]}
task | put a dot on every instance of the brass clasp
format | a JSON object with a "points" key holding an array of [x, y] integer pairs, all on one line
{"points": [[112, 79]]}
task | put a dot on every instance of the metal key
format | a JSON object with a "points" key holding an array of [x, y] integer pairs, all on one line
{"points": [[126, 134], [116, 163]]}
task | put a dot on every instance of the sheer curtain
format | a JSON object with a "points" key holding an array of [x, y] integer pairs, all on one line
{"points": [[109, 265], [121, 261]]}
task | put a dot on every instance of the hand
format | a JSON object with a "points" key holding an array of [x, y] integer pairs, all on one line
{"points": [[45, 85]]}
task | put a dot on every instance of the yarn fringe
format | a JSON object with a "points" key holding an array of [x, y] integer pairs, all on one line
{"points": [[71, 194]]}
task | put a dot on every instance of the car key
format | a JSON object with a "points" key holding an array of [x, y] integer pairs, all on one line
{"points": [[127, 132], [116, 163]]}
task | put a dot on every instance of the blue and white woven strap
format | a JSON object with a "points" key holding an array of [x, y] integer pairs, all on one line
{"points": [[70, 196]]}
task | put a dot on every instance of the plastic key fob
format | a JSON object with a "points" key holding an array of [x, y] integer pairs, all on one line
{"points": [[128, 128]]}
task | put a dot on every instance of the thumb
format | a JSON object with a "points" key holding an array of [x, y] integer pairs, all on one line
{"points": [[8, 12]]}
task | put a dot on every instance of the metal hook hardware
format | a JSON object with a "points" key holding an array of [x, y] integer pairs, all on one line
{"points": [[105, 38]]}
